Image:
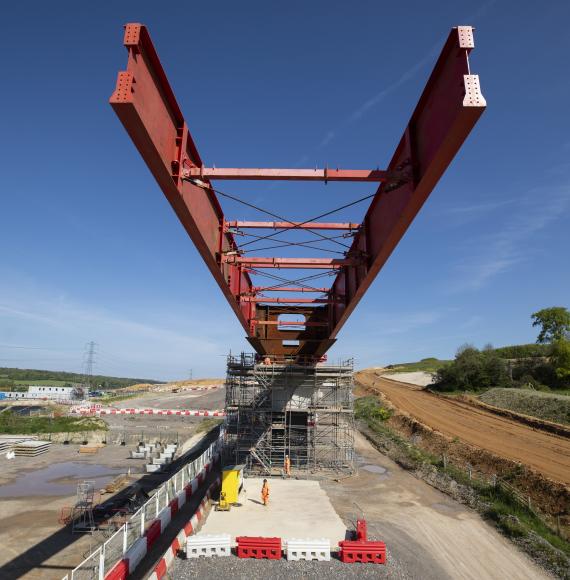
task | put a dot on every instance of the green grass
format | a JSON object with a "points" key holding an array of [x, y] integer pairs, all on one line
{"points": [[47, 383], [427, 365], [13, 424], [369, 408], [547, 406]]}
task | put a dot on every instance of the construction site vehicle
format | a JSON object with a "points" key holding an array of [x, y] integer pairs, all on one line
{"points": [[232, 484]]}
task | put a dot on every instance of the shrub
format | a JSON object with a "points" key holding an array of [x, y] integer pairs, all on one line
{"points": [[524, 351], [473, 370], [368, 408]]}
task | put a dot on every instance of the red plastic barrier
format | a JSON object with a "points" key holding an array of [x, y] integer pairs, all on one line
{"points": [[361, 531], [173, 507], [255, 547], [119, 571], [188, 489], [161, 569], [152, 533], [361, 551], [188, 529]]}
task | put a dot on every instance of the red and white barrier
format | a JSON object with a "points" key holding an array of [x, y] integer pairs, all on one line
{"points": [[143, 545], [138, 411], [179, 542]]}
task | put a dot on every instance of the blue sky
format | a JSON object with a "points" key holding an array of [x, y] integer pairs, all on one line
{"points": [[90, 249]]}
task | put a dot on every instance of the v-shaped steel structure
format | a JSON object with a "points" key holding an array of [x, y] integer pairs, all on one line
{"points": [[449, 107]]}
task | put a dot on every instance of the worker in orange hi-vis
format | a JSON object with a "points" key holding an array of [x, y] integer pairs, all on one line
{"points": [[287, 466], [265, 492]]}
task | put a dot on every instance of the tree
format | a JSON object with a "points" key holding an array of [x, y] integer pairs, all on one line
{"points": [[554, 323], [561, 359], [474, 370]]}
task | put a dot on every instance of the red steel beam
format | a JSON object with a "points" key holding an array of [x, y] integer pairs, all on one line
{"points": [[256, 174], [301, 263], [259, 299], [293, 225], [288, 289], [449, 107], [144, 102], [288, 323]]}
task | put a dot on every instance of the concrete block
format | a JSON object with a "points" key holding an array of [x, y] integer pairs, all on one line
{"points": [[309, 549], [208, 545]]}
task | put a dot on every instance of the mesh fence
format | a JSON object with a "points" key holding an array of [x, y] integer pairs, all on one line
{"points": [[150, 512], [113, 549], [134, 531], [89, 568]]}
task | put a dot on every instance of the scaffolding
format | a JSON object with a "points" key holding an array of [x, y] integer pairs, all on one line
{"points": [[285, 407]]}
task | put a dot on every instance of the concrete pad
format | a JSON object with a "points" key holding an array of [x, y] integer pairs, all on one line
{"points": [[297, 509]]}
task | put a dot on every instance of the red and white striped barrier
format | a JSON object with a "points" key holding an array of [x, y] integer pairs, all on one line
{"points": [[180, 541], [138, 411], [143, 545]]}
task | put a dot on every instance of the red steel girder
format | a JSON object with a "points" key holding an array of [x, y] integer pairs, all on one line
{"points": [[293, 225], [259, 299], [288, 289], [256, 174], [449, 107], [288, 323], [289, 263]]}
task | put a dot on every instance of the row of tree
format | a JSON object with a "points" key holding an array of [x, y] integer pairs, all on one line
{"points": [[9, 377], [542, 366]]}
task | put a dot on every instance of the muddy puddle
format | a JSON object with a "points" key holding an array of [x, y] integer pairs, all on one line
{"points": [[371, 468], [59, 479]]}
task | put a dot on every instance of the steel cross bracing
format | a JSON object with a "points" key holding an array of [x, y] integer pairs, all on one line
{"points": [[449, 107]]}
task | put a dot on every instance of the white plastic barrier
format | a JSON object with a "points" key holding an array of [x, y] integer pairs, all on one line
{"points": [[309, 549], [151, 468], [136, 553], [208, 545], [165, 516]]}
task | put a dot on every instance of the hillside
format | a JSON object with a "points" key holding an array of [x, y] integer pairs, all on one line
{"points": [[427, 365], [14, 378]]}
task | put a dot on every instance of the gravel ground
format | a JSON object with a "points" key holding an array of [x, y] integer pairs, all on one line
{"points": [[251, 569]]}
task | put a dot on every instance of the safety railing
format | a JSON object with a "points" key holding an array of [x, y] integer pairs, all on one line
{"points": [[106, 556]]}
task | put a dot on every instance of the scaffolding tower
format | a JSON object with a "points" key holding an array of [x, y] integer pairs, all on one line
{"points": [[278, 408]]}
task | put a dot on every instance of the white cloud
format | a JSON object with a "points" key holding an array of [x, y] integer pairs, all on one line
{"points": [[509, 245], [129, 346]]}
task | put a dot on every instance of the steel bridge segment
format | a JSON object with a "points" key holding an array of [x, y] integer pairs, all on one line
{"points": [[449, 107]]}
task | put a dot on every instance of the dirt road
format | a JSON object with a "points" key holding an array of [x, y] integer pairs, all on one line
{"points": [[547, 453]]}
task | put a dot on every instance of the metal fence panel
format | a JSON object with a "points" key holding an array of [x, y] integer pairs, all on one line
{"points": [[149, 512], [134, 528], [102, 560], [113, 549], [89, 569]]}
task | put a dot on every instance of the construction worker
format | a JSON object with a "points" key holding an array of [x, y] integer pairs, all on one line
{"points": [[287, 466], [265, 493]]}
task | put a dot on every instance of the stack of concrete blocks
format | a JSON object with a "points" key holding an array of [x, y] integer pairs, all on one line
{"points": [[208, 545], [163, 458], [308, 549]]}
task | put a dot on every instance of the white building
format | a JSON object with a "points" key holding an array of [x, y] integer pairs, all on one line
{"points": [[47, 392]]}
